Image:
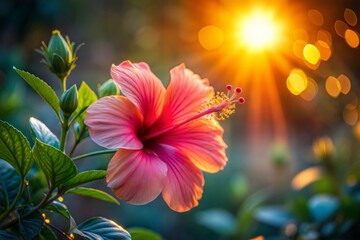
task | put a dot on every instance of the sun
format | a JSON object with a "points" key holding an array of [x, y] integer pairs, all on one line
{"points": [[258, 31]]}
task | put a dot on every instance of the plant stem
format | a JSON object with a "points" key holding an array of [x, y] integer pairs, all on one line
{"points": [[72, 121], [93, 154], [77, 141], [13, 204], [45, 201], [28, 195], [64, 130], [63, 84], [59, 231]]}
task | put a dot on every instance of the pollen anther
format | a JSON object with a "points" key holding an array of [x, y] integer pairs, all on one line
{"points": [[221, 106]]}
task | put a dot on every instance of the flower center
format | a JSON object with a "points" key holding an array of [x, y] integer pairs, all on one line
{"points": [[219, 107]]}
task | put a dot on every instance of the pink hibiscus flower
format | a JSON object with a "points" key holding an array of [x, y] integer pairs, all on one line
{"points": [[165, 137]]}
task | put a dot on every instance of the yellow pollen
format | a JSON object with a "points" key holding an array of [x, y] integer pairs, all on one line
{"points": [[47, 220], [72, 236], [61, 199], [216, 100]]}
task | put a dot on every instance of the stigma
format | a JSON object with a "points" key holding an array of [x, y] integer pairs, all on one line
{"points": [[222, 105]]}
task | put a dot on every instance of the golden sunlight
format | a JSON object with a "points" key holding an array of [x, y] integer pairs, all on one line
{"points": [[258, 31]]}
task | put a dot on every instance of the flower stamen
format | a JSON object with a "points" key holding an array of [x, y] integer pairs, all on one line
{"points": [[221, 106]]}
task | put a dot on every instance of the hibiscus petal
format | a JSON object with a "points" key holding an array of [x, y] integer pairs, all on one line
{"points": [[184, 182], [136, 176], [142, 87], [185, 95], [113, 123], [201, 141]]}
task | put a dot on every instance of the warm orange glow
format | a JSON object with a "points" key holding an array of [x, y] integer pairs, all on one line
{"points": [[298, 47], [350, 16], [254, 53], [357, 130], [258, 31], [323, 147], [351, 116], [301, 34], [316, 17], [340, 28], [306, 177], [332, 86], [325, 36], [311, 54], [324, 49], [297, 81], [311, 90], [352, 38], [258, 238], [210, 37], [345, 83]]}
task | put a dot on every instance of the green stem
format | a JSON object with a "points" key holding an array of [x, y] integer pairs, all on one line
{"points": [[13, 204], [77, 141], [72, 121], [64, 130], [93, 154], [45, 201], [28, 195], [63, 84]]}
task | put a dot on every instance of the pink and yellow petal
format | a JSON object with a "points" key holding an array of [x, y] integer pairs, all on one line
{"points": [[141, 87], [113, 123], [183, 186], [136, 177], [185, 95], [201, 141]]}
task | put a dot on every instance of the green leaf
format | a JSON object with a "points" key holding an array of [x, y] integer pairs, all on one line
{"points": [[57, 166], [40, 131], [58, 207], [7, 235], [86, 98], [93, 193], [46, 234], [100, 228], [84, 177], [42, 88], [15, 148], [218, 220], [142, 233], [9, 184], [248, 208], [31, 225], [275, 216]]}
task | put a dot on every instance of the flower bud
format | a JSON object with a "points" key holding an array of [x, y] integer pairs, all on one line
{"points": [[109, 88], [59, 56], [58, 47], [69, 100]]}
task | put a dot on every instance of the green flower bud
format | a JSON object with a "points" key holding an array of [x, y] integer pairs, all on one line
{"points": [[109, 88], [69, 100], [58, 47], [59, 56]]}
